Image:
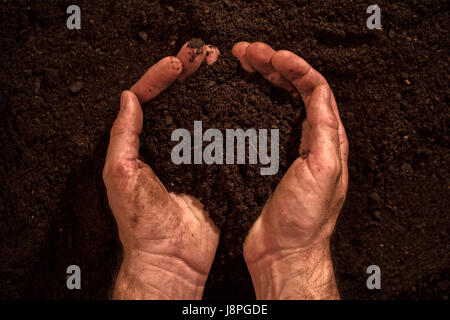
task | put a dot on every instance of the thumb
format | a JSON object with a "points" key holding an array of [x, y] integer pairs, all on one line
{"points": [[324, 136], [124, 137]]}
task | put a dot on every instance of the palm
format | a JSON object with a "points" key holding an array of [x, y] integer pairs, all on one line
{"points": [[177, 226]]}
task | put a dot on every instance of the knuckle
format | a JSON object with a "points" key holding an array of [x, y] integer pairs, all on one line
{"points": [[334, 167], [117, 129], [255, 45], [320, 80], [254, 48], [330, 121], [329, 167], [328, 157]]}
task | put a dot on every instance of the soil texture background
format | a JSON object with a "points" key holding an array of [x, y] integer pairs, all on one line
{"points": [[59, 95]]}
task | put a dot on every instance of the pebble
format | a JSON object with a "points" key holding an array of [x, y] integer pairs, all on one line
{"points": [[37, 86], [253, 99], [377, 215], [76, 86], [168, 121], [143, 35], [144, 20], [153, 150], [372, 164], [406, 167], [350, 115], [391, 34], [375, 197]]}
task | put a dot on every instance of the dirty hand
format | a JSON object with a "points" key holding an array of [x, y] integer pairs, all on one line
{"points": [[168, 241], [287, 249]]}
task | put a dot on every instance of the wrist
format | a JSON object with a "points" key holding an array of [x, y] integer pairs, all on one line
{"points": [[295, 274], [155, 276]]}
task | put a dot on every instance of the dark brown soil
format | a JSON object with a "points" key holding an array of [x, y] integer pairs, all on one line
{"points": [[60, 93]]}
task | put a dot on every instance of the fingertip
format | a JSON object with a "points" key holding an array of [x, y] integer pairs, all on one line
{"points": [[212, 54], [124, 98], [130, 110], [127, 97], [157, 78], [191, 55], [126, 102]]}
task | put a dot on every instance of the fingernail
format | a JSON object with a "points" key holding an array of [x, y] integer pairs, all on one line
{"points": [[124, 100]]}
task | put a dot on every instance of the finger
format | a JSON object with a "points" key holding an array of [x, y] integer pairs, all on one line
{"points": [[260, 56], [298, 72], [344, 148], [323, 140], [212, 54], [238, 51], [342, 135], [306, 79], [191, 55], [124, 137], [157, 79]]}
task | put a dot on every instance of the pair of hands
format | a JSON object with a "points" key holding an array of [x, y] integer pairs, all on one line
{"points": [[168, 240]]}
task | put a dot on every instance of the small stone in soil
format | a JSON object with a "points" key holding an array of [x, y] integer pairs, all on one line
{"points": [[406, 167], [37, 86], [375, 197], [377, 215], [143, 35], [76, 87]]}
